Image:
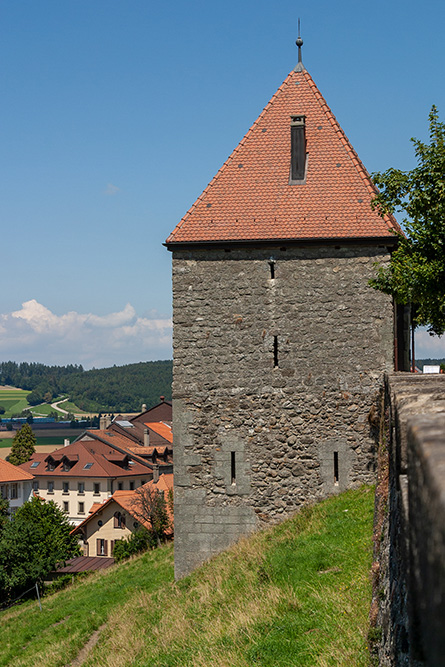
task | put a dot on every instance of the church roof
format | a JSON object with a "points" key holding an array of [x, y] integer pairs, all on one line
{"points": [[251, 197]]}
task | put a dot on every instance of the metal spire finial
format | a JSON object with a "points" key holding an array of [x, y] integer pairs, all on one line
{"points": [[299, 43]]}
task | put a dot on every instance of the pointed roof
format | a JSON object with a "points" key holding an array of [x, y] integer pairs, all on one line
{"points": [[251, 199]]}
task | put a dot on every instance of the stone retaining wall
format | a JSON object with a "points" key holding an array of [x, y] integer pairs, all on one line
{"points": [[410, 564]]}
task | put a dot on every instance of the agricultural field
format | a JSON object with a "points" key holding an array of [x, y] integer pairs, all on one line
{"points": [[13, 401]]}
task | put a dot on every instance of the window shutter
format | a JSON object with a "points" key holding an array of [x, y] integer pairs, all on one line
{"points": [[111, 547], [97, 547], [105, 547], [123, 521]]}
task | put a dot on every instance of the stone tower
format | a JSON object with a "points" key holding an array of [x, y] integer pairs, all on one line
{"points": [[279, 342]]}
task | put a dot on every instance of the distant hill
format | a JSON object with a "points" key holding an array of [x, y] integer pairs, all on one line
{"points": [[116, 389]]}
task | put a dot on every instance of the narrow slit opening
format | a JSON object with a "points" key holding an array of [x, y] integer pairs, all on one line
{"points": [[335, 467], [272, 269], [275, 351], [232, 467]]}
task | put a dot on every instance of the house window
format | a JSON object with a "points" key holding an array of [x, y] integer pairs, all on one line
{"points": [[142, 482], [66, 466], [35, 485], [14, 492], [131, 486], [66, 487], [102, 547], [51, 466], [120, 486], [50, 487], [81, 509], [66, 507], [119, 520], [5, 491], [81, 488], [96, 488]]}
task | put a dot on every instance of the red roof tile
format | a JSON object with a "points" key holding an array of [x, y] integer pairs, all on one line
{"points": [[162, 429], [90, 458], [127, 499], [10, 473], [250, 197]]}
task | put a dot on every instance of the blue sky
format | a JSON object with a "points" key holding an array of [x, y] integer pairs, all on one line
{"points": [[117, 113]]}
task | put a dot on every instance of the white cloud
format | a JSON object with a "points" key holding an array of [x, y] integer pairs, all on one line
{"points": [[34, 333], [111, 190], [429, 347]]}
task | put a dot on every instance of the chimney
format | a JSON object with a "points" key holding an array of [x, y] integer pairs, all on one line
{"points": [[146, 437], [107, 421], [162, 399], [155, 472], [298, 148], [144, 407], [66, 442], [102, 423]]}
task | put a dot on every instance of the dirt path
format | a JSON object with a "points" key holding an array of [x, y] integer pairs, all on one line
{"points": [[56, 406], [91, 643]]}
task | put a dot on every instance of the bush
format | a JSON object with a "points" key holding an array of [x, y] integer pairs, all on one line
{"points": [[140, 540]]}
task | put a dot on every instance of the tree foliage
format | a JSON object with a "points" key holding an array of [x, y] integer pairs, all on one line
{"points": [[139, 541], [116, 389], [4, 513], [32, 544], [150, 506], [416, 273], [23, 445]]}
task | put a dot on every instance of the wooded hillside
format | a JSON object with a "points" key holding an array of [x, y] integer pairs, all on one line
{"points": [[116, 389]]}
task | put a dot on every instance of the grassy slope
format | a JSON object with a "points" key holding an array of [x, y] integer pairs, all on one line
{"points": [[297, 594], [13, 400]]}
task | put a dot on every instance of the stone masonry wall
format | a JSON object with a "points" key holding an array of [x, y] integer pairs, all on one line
{"points": [[409, 572], [255, 440]]}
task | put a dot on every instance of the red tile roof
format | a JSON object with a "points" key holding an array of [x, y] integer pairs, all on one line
{"points": [[103, 457], [250, 197], [10, 473], [162, 429], [126, 500]]}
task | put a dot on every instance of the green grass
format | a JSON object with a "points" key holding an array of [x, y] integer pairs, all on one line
{"points": [[55, 635], [13, 400], [71, 407], [5, 442], [42, 410], [44, 440], [297, 594]]}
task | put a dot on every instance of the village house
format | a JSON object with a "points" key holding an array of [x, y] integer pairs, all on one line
{"points": [[279, 342], [15, 485], [116, 518], [86, 472]]}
